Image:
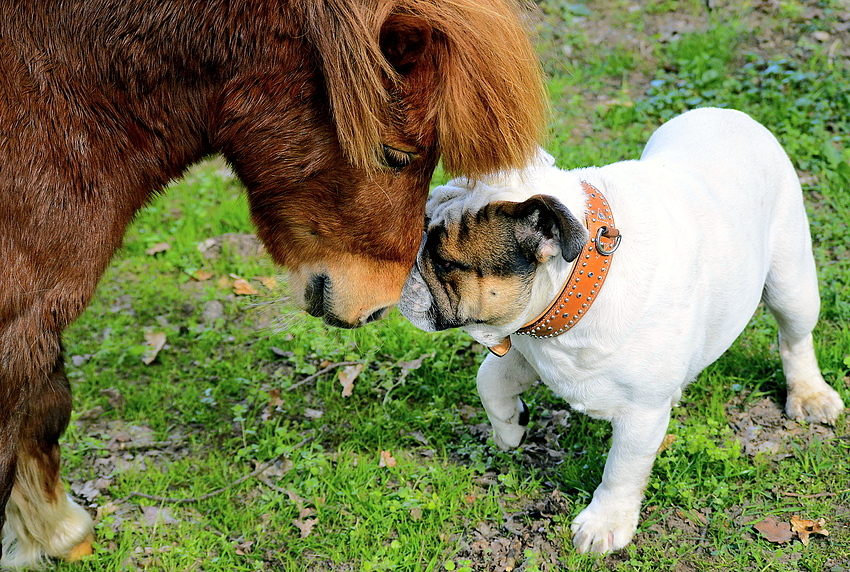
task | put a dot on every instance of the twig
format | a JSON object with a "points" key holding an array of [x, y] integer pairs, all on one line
{"points": [[209, 495], [816, 495], [271, 485], [133, 445], [310, 378]]}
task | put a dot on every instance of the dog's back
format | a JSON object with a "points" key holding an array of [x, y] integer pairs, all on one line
{"points": [[715, 192], [730, 148]]}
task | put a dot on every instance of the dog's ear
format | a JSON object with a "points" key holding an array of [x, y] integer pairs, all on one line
{"points": [[545, 227]]}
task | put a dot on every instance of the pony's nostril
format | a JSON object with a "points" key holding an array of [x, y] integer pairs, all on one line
{"points": [[377, 315], [314, 295]]}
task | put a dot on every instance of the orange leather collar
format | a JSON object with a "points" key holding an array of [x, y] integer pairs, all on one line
{"points": [[588, 275]]}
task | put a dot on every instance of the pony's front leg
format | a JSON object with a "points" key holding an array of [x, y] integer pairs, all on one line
{"points": [[41, 519], [500, 382], [610, 520]]}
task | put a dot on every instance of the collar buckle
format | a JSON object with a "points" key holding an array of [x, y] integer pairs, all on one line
{"points": [[586, 278]]}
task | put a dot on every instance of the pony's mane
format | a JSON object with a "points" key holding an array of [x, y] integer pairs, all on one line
{"points": [[488, 100]]}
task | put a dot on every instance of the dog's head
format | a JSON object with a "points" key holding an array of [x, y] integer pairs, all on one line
{"points": [[477, 265]]}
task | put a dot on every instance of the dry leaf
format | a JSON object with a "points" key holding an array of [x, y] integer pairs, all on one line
{"points": [[155, 342], [274, 397], [387, 460], [347, 375], [773, 531], [244, 548], [90, 490], [665, 444], [269, 282], [805, 528], [154, 515], [408, 366], [293, 496], [242, 287], [157, 248], [305, 526], [313, 413], [201, 275], [114, 397]]}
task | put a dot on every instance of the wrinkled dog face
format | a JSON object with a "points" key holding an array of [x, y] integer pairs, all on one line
{"points": [[478, 267]]}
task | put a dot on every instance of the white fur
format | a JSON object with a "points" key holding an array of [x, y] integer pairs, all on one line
{"points": [[713, 222], [40, 526]]}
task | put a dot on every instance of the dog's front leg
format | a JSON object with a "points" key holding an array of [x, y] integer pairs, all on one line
{"points": [[610, 520], [500, 381]]}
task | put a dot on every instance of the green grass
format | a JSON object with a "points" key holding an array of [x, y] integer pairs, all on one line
{"points": [[215, 404]]}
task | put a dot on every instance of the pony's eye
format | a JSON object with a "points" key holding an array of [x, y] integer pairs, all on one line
{"points": [[396, 158]]}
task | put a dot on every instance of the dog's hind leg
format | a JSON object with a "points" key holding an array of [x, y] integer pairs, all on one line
{"points": [[41, 520], [500, 382], [791, 295]]}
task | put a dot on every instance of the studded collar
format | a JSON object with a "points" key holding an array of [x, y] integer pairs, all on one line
{"points": [[588, 275]]}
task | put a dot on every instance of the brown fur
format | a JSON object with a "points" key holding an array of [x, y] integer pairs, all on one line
{"points": [[103, 102]]}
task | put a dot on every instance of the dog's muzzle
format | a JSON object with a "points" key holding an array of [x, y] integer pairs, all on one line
{"points": [[416, 300]]}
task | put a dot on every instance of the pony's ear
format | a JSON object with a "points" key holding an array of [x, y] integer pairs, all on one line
{"points": [[546, 227], [404, 39]]}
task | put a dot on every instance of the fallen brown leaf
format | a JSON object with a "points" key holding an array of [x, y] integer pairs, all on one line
{"points": [[805, 528], [665, 444], [114, 397], [777, 532], [387, 460], [154, 515], [305, 526], [155, 342], [201, 275], [274, 397], [313, 413], [157, 248], [244, 548], [242, 287], [347, 375], [269, 282]]}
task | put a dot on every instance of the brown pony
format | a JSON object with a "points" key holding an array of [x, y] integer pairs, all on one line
{"points": [[333, 113]]}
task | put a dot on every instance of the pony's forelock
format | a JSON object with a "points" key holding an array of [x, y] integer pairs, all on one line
{"points": [[488, 97]]}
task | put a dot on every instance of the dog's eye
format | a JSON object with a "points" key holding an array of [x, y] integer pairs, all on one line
{"points": [[397, 159], [448, 265]]}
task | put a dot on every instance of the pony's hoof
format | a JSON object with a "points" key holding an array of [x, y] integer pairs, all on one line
{"points": [[81, 550]]}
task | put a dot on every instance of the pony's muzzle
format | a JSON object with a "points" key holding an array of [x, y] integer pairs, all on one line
{"points": [[318, 298]]}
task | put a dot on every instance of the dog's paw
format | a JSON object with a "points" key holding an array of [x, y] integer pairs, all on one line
{"points": [[820, 404], [510, 434], [603, 528]]}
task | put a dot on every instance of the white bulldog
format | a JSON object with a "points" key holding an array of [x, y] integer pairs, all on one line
{"points": [[708, 223]]}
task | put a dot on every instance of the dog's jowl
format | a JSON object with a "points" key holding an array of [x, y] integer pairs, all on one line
{"points": [[617, 285]]}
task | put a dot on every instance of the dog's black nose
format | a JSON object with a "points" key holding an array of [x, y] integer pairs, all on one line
{"points": [[314, 295]]}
